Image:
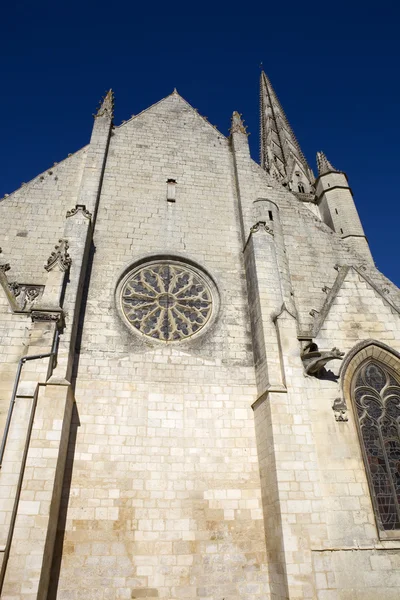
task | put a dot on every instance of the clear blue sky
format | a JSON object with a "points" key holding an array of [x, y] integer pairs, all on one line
{"points": [[335, 67]]}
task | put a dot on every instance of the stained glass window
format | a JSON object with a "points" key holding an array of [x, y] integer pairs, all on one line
{"points": [[166, 301], [377, 401]]}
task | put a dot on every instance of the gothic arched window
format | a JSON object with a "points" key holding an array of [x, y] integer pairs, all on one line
{"points": [[301, 188], [376, 395]]}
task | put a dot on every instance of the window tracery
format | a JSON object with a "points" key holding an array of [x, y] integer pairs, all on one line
{"points": [[376, 394], [167, 301]]}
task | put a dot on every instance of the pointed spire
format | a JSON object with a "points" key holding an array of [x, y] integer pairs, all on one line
{"points": [[324, 166], [281, 154], [106, 107], [237, 124]]}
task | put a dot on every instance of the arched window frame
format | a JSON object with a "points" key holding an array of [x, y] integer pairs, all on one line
{"points": [[365, 352]]}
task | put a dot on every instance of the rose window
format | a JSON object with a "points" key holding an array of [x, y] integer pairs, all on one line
{"points": [[166, 301]]}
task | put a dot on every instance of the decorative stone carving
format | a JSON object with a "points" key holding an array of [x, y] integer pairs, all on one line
{"points": [[339, 407], [59, 257], [25, 294], [39, 316], [14, 288], [261, 226], [32, 292], [313, 312], [237, 125], [315, 360], [79, 208], [5, 267], [166, 301]]}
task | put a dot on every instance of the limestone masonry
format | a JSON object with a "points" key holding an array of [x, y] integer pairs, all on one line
{"points": [[199, 372]]}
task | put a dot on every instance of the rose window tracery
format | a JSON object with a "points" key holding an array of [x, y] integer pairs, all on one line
{"points": [[166, 301]]}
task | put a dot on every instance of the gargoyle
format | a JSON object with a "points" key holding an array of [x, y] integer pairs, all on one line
{"points": [[314, 360]]}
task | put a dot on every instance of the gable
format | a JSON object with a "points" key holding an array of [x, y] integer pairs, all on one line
{"points": [[356, 310], [177, 111], [32, 218]]}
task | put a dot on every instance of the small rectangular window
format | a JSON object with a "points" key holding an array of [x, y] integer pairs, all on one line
{"points": [[271, 218], [171, 185]]}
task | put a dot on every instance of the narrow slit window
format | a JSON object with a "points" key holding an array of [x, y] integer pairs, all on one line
{"points": [[171, 190], [271, 217]]}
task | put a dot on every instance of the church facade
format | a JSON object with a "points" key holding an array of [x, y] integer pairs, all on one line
{"points": [[199, 372]]}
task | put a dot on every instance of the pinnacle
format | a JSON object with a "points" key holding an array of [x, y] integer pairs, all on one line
{"points": [[324, 166], [237, 124], [106, 107]]}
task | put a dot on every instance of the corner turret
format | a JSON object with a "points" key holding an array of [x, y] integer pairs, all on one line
{"points": [[337, 208]]}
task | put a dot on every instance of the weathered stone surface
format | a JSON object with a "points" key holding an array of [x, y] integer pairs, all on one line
{"points": [[210, 467]]}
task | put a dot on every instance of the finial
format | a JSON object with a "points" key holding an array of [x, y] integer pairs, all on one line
{"points": [[59, 257], [175, 91], [106, 108], [237, 124], [324, 166]]}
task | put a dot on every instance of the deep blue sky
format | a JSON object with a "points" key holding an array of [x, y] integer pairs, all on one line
{"points": [[334, 66]]}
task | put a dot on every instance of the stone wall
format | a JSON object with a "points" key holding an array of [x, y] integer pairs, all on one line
{"points": [[165, 496], [179, 455]]}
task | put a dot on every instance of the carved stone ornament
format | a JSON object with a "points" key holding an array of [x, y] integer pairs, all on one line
{"points": [[79, 208], [5, 267], [315, 360], [237, 125], [261, 226], [166, 300], [339, 407], [25, 294], [39, 316], [14, 288], [59, 257], [32, 292]]}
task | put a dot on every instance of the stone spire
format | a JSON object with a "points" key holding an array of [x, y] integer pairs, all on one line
{"points": [[281, 154], [323, 164], [106, 107]]}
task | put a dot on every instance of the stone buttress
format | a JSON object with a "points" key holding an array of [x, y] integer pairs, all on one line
{"points": [[282, 421], [35, 448]]}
